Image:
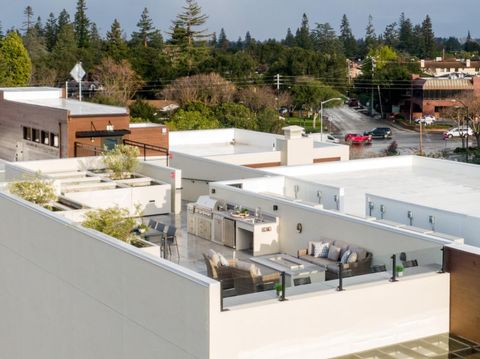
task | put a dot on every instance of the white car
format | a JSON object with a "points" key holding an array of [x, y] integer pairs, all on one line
{"points": [[458, 132], [327, 137], [427, 120]]}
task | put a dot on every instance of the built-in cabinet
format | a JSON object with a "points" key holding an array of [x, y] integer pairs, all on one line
{"points": [[259, 235]]}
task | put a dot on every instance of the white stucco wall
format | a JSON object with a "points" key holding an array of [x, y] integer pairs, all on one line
{"points": [[323, 325], [68, 292]]}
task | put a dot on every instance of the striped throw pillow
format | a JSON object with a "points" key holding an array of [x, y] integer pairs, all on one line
{"points": [[345, 256]]}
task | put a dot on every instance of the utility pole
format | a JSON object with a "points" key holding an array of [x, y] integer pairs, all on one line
{"points": [[278, 82], [373, 76]]}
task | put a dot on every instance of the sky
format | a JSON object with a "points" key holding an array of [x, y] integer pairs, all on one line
{"points": [[263, 18]]}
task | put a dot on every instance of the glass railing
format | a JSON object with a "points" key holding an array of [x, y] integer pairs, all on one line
{"points": [[258, 282]]}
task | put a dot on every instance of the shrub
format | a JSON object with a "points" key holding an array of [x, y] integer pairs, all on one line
{"points": [[121, 161], [142, 109], [114, 222], [392, 149], [36, 190], [191, 120], [268, 120], [235, 115]]}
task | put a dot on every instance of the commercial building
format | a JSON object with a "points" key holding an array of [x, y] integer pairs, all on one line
{"points": [[432, 95], [40, 123], [443, 67]]}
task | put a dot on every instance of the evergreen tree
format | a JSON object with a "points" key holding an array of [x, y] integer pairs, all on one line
{"points": [[15, 64], [223, 42], [116, 46], [428, 38], [213, 41], [64, 53], [147, 35], [370, 36], [289, 39], [471, 45], [303, 37], [28, 23], [390, 35], [191, 21], [63, 19], [452, 44], [51, 32], [347, 39], [82, 24], [38, 27], [1, 31], [95, 44], [325, 39], [405, 34], [239, 44], [249, 41], [469, 36]]}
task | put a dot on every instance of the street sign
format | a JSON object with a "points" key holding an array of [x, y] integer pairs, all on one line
{"points": [[78, 73]]}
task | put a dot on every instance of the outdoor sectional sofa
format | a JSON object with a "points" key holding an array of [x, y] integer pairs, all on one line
{"points": [[362, 265]]}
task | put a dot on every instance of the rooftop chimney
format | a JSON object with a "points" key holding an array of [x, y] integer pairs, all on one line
{"points": [[292, 132], [468, 63], [422, 64]]}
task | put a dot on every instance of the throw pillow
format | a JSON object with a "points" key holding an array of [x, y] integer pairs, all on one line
{"points": [[312, 246], [345, 256], [223, 260], [352, 258], [215, 259], [320, 250], [334, 253]]}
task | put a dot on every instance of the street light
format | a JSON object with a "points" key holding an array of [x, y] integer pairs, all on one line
{"points": [[321, 115]]}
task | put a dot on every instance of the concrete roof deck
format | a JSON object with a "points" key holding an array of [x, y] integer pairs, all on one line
{"points": [[401, 179], [219, 149]]}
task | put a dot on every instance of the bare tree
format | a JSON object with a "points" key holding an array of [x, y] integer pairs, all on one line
{"points": [[118, 79], [466, 112], [210, 89], [258, 98]]}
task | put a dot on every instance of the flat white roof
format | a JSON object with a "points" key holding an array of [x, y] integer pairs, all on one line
{"points": [[75, 107], [445, 185], [219, 149]]}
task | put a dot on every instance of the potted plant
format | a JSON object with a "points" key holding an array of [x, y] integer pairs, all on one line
{"points": [[122, 161], [399, 270], [117, 222], [35, 190], [278, 288]]}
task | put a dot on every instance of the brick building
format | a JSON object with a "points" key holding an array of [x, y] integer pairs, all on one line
{"points": [[39, 123], [432, 95]]}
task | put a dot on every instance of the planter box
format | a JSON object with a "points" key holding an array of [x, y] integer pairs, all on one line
{"points": [[148, 247]]}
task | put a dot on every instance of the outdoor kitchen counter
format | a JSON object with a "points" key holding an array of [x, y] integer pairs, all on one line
{"points": [[260, 236]]}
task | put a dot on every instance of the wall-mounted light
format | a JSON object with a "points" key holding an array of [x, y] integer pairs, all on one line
{"points": [[371, 206], [382, 210], [335, 199], [109, 126], [296, 188], [213, 190], [299, 228], [431, 220], [275, 207], [410, 217], [319, 196]]}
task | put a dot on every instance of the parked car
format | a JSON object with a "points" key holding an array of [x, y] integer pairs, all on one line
{"points": [[353, 102], [427, 120], [283, 110], [354, 138], [380, 132], [458, 132], [329, 138]]}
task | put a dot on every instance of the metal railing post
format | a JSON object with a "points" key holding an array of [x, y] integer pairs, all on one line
{"points": [[340, 278], [442, 270], [75, 149], [282, 296], [221, 297], [394, 268]]}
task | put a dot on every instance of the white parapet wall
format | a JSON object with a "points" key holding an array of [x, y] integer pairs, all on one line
{"points": [[324, 325], [69, 292], [320, 224]]}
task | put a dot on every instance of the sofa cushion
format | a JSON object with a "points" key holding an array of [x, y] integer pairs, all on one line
{"points": [[332, 267], [318, 261], [222, 260], [248, 267], [334, 253], [320, 249], [352, 258], [345, 256], [342, 245], [361, 253]]}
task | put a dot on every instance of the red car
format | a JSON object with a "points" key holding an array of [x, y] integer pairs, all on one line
{"points": [[356, 139]]}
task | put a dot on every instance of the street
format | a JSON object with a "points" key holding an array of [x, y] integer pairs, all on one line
{"points": [[348, 120]]}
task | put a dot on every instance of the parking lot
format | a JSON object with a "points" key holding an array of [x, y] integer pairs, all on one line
{"points": [[348, 120]]}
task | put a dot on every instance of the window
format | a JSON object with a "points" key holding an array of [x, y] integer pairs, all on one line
{"points": [[35, 135], [45, 137], [27, 133], [53, 140]]}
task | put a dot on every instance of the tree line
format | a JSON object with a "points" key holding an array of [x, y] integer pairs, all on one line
{"points": [[311, 60]]}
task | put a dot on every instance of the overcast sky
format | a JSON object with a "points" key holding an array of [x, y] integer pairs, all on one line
{"points": [[263, 18]]}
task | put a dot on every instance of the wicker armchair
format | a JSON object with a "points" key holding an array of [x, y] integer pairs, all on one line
{"points": [[246, 282], [221, 273]]}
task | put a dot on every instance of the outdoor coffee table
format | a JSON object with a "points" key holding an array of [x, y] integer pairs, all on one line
{"points": [[297, 271]]}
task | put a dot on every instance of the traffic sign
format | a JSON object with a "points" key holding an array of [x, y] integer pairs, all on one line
{"points": [[78, 73]]}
